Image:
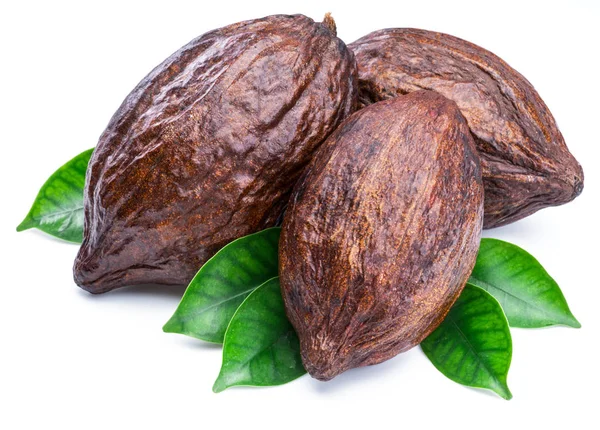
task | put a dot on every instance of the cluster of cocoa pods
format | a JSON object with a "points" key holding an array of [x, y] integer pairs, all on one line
{"points": [[384, 159]]}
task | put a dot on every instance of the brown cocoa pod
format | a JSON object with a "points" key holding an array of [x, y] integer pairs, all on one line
{"points": [[208, 147], [381, 232], [525, 163]]}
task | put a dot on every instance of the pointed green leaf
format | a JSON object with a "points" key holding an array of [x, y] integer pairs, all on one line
{"points": [[261, 347], [529, 296], [58, 207], [473, 346], [223, 283]]}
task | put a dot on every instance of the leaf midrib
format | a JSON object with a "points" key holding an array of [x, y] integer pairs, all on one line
{"points": [[529, 304], [270, 346], [472, 348], [214, 305], [39, 218]]}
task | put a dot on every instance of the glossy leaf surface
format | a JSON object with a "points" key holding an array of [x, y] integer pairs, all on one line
{"points": [[473, 345], [528, 294], [58, 207], [223, 283], [261, 347]]}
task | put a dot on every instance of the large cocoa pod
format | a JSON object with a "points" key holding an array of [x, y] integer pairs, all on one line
{"points": [[526, 165], [208, 147], [381, 232]]}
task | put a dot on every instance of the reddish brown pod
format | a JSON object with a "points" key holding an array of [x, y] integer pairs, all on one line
{"points": [[208, 146], [526, 165], [381, 232]]}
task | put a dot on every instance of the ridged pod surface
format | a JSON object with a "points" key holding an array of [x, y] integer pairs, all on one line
{"points": [[208, 146], [381, 232], [525, 162]]}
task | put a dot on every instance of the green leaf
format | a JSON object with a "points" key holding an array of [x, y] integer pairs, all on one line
{"points": [[261, 347], [529, 296], [473, 346], [223, 283], [58, 207]]}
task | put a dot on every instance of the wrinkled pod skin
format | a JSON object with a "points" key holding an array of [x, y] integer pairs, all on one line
{"points": [[526, 165], [208, 147], [381, 233]]}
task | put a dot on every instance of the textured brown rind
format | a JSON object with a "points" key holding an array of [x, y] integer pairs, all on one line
{"points": [[525, 163], [381, 232], [208, 146]]}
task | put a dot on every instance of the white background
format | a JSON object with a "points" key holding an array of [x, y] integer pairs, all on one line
{"points": [[74, 361]]}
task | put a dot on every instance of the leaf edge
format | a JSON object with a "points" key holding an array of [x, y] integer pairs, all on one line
{"points": [[30, 222], [574, 322], [505, 392], [198, 273], [219, 388]]}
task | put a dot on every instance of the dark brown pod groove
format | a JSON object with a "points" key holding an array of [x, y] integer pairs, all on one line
{"points": [[208, 146], [381, 232], [526, 165]]}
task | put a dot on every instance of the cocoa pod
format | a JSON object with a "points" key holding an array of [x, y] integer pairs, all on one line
{"points": [[208, 147], [525, 163], [381, 232]]}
